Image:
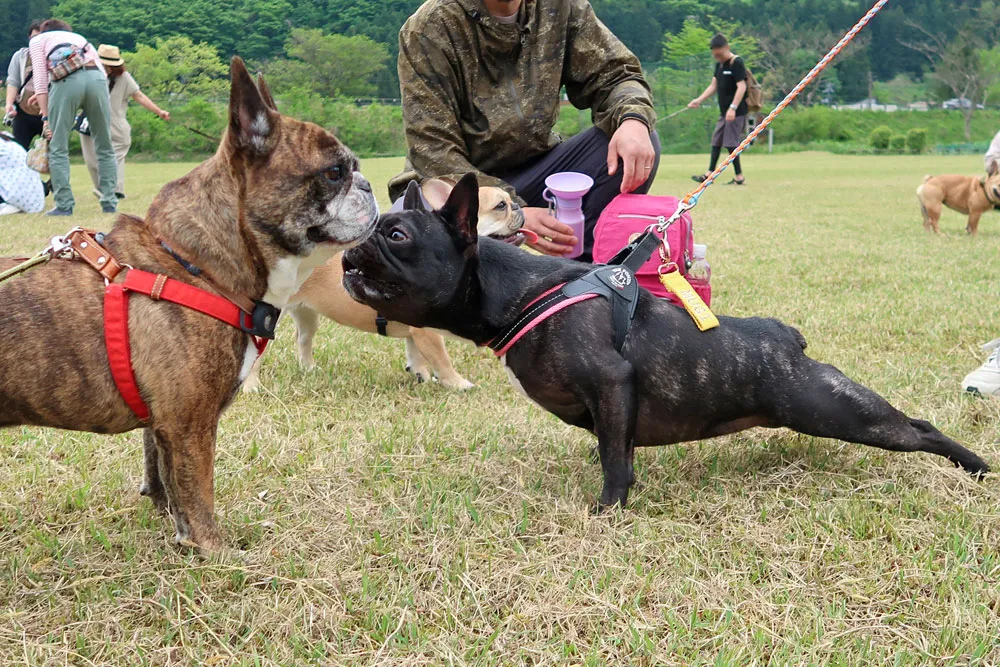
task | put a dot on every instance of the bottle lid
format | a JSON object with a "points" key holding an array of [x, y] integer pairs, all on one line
{"points": [[699, 251]]}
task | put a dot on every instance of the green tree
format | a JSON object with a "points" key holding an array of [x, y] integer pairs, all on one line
{"points": [[330, 65], [177, 67]]}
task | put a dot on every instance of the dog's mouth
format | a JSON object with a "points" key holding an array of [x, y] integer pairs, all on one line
{"points": [[360, 284], [518, 238]]}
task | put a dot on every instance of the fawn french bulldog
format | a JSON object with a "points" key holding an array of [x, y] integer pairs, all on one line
{"points": [[426, 355], [278, 199], [670, 383], [970, 195]]}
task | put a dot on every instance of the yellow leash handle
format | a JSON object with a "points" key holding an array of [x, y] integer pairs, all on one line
{"points": [[702, 315]]}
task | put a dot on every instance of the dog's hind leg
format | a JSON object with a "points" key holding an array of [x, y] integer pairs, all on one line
{"points": [[306, 323], [825, 403], [186, 462], [152, 485], [430, 345]]}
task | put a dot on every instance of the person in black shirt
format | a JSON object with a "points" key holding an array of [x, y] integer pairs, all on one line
{"points": [[730, 82]]}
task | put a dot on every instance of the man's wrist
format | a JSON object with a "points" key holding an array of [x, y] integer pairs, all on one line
{"points": [[733, 107], [634, 116]]}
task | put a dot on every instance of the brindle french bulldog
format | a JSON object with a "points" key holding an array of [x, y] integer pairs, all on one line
{"points": [[278, 199], [671, 383]]}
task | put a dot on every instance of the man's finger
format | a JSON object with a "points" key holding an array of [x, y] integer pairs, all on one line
{"points": [[553, 224], [629, 176], [550, 248], [612, 158]]}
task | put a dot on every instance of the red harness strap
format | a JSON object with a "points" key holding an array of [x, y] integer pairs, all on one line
{"points": [[158, 288]]}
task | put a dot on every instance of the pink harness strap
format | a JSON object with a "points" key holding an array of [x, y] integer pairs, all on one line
{"points": [[540, 309]]}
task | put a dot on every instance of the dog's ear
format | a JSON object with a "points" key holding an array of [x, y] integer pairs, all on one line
{"points": [[462, 209], [252, 121], [412, 201], [436, 192], [994, 168], [265, 92]]}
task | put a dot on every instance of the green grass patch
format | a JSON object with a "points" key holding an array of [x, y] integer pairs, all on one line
{"points": [[382, 521]]}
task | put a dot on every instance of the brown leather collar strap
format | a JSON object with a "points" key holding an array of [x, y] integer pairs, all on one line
{"points": [[93, 253]]}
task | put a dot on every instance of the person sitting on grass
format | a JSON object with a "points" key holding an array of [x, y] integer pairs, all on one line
{"points": [[481, 84], [730, 83]]}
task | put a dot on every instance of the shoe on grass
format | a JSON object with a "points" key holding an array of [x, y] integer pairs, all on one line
{"points": [[9, 209], [736, 182], [985, 380], [120, 195], [699, 178], [60, 211], [109, 208]]}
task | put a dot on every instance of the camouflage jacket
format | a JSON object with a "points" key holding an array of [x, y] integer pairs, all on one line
{"points": [[480, 95]]}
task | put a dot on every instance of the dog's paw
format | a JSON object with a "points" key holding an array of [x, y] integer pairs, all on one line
{"points": [[307, 364], [252, 386], [422, 374], [457, 383]]}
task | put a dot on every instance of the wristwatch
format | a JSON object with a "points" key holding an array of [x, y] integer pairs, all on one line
{"points": [[45, 119], [733, 107]]}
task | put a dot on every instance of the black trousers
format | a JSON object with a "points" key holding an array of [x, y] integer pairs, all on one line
{"points": [[26, 128], [586, 153]]}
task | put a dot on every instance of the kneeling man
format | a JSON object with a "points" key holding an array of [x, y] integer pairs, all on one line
{"points": [[481, 84]]}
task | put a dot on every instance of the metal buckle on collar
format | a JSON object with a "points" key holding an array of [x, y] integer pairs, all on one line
{"points": [[262, 321]]}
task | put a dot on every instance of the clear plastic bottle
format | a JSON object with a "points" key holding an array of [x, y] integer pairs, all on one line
{"points": [[700, 271]]}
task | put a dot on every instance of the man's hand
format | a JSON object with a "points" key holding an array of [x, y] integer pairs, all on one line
{"points": [[631, 144], [10, 110], [46, 130], [731, 115], [554, 238], [694, 104]]}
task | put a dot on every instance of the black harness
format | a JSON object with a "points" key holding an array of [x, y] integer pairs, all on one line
{"points": [[615, 281]]}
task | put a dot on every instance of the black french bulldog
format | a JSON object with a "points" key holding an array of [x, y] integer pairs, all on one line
{"points": [[671, 383]]}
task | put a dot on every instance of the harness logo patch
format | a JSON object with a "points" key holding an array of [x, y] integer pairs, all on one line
{"points": [[620, 278]]}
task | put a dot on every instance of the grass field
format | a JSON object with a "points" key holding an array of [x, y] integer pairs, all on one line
{"points": [[385, 522]]}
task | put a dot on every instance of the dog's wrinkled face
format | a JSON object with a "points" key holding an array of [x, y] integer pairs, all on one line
{"points": [[412, 265], [303, 190], [500, 217]]}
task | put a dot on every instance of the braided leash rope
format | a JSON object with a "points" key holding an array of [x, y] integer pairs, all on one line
{"points": [[691, 199]]}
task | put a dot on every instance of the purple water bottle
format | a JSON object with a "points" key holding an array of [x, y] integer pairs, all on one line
{"points": [[564, 192]]}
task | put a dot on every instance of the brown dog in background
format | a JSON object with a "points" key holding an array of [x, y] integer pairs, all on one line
{"points": [[426, 356], [970, 195], [278, 199]]}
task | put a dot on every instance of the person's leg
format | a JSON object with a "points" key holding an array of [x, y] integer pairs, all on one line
{"points": [[586, 153], [120, 153], [737, 167], [97, 106], [64, 100], [90, 158], [713, 161], [25, 128]]}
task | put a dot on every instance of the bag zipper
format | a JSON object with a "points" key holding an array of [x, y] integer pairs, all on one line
{"points": [[658, 218]]}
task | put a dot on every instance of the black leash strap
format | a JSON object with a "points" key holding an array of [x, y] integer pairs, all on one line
{"points": [[214, 140], [636, 253]]}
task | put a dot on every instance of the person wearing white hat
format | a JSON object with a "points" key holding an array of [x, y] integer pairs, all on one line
{"points": [[122, 88]]}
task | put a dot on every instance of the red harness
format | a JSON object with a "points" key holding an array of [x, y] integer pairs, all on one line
{"points": [[157, 287]]}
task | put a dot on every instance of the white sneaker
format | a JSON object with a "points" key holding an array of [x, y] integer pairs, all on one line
{"points": [[9, 209], [985, 380]]}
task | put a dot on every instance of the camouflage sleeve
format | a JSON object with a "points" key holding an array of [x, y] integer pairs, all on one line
{"points": [[601, 73], [429, 89]]}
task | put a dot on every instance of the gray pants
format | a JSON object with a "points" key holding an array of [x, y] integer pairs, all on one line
{"points": [[586, 153], [89, 151], [85, 89]]}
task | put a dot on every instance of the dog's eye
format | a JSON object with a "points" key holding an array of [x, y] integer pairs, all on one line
{"points": [[334, 174], [398, 235], [502, 206]]}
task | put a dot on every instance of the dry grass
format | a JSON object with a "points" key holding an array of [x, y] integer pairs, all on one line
{"points": [[383, 522]]}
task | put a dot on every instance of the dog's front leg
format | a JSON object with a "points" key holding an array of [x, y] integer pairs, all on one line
{"points": [[614, 407], [187, 462], [972, 226], [152, 485]]}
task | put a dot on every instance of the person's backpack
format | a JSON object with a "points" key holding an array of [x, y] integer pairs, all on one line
{"points": [[755, 93]]}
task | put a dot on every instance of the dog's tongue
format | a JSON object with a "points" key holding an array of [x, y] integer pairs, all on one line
{"points": [[529, 236]]}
